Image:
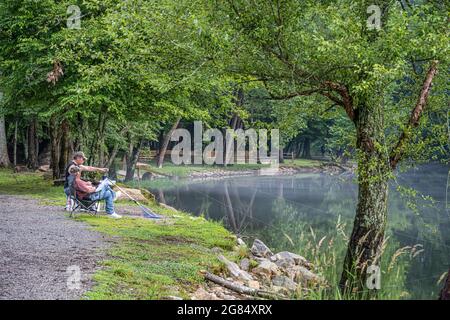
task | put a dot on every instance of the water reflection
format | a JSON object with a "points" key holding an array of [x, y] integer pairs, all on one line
{"points": [[280, 209]]}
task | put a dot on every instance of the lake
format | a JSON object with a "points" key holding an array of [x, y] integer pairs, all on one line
{"points": [[281, 210]]}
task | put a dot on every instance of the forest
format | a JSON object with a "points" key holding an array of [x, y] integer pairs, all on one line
{"points": [[349, 82]]}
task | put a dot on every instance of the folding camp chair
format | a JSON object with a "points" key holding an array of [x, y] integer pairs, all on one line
{"points": [[82, 205]]}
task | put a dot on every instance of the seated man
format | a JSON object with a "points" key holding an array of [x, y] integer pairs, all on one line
{"points": [[78, 161], [86, 191]]}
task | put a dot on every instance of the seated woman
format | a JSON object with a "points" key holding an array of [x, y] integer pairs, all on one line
{"points": [[86, 191]]}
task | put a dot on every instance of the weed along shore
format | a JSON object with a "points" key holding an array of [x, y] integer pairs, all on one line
{"points": [[178, 257]]}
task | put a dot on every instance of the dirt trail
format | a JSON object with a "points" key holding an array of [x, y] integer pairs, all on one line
{"points": [[37, 246]]}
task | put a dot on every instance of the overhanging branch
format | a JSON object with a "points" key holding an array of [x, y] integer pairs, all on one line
{"points": [[346, 102], [293, 94], [414, 118]]}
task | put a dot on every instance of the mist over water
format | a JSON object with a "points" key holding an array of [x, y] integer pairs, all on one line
{"points": [[275, 208]]}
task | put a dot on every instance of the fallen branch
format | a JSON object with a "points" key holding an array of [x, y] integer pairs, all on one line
{"points": [[241, 288]]}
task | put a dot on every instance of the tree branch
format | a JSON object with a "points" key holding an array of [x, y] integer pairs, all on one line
{"points": [[414, 118], [347, 101], [293, 94]]}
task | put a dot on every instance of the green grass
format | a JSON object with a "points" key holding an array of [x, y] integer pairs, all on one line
{"points": [[301, 163], [152, 260], [32, 185], [148, 260]]}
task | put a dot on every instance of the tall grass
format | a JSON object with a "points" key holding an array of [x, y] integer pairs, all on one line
{"points": [[327, 254], [325, 247]]}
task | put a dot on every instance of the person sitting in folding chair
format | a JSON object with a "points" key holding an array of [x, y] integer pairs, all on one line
{"points": [[86, 191], [78, 161]]}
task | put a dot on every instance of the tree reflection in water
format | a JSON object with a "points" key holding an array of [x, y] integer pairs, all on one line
{"points": [[288, 212]]}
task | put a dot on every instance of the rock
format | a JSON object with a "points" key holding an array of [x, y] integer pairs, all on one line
{"points": [[286, 258], [253, 284], [216, 250], [172, 298], [266, 269], [258, 259], [282, 260], [285, 282], [300, 274], [222, 293], [134, 193], [280, 290], [147, 194], [18, 169], [44, 168], [234, 269], [241, 242], [224, 296], [245, 264], [169, 207], [147, 176], [259, 249], [202, 294]]}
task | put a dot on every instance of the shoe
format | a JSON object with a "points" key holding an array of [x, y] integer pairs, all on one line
{"points": [[114, 215], [118, 194], [68, 208]]}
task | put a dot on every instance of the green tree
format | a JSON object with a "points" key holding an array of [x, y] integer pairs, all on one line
{"points": [[328, 50]]}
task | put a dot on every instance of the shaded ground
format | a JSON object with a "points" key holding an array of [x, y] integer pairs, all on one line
{"points": [[37, 246]]}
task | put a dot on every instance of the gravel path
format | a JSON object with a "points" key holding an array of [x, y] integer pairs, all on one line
{"points": [[41, 251]]}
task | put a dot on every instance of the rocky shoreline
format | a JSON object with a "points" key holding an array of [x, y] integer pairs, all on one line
{"points": [[259, 273], [327, 168]]}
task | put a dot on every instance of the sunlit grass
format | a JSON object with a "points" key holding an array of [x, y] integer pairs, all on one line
{"points": [[153, 260]]}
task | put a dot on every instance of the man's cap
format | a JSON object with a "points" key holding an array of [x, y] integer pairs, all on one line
{"points": [[79, 154]]}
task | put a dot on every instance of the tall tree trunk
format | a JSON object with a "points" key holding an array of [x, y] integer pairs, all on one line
{"points": [[15, 144], [299, 149], [25, 145], [445, 292], [165, 144], [4, 158], [366, 241], [132, 158], [281, 156], [307, 148], [115, 149], [97, 143], [113, 155], [79, 137], [32, 152], [55, 138], [64, 146]]}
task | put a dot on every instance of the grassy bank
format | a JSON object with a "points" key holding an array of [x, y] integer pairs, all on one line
{"points": [[148, 260]]}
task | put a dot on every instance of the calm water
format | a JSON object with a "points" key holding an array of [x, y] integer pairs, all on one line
{"points": [[279, 209]]}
